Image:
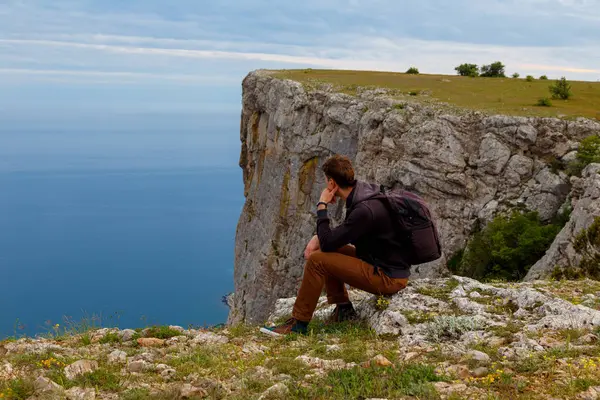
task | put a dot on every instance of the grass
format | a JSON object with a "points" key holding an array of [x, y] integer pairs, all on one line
{"points": [[492, 95], [110, 337], [439, 292], [161, 332], [16, 389], [376, 382]]}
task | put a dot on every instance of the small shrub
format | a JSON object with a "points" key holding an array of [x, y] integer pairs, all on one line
{"points": [[507, 247], [588, 152], [544, 102], [516, 75], [467, 70], [561, 89], [16, 389], [412, 71], [399, 106], [494, 70], [110, 337], [543, 78], [530, 78], [161, 332], [382, 303], [448, 327], [101, 378], [413, 93]]}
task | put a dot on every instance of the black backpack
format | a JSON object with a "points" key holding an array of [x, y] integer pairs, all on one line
{"points": [[414, 224]]}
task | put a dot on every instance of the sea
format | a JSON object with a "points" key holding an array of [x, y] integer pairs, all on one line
{"points": [[119, 225]]}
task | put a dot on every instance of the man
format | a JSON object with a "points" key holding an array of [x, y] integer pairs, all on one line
{"points": [[364, 251]]}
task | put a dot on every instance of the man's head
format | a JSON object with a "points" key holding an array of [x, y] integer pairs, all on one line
{"points": [[339, 173]]}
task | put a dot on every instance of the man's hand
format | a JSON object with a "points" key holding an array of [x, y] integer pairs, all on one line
{"points": [[328, 196], [312, 246]]}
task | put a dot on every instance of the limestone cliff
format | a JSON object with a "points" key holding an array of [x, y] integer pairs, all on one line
{"points": [[468, 166]]}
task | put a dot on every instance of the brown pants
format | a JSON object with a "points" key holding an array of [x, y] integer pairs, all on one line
{"points": [[334, 270]]}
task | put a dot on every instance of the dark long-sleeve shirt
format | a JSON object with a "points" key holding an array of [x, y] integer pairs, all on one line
{"points": [[369, 228]]}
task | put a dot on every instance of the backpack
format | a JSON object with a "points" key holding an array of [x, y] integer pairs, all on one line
{"points": [[414, 224]]}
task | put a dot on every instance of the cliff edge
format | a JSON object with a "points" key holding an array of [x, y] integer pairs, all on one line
{"points": [[469, 166]]}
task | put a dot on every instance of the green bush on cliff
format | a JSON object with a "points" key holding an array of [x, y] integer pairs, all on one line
{"points": [[506, 248], [588, 152]]}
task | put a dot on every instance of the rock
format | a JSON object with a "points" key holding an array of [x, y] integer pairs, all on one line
{"points": [[151, 342], [44, 385], [253, 348], [380, 361], [209, 338], [126, 335], [593, 393], [188, 391], [79, 368], [480, 372], [168, 374], [461, 371], [117, 357], [588, 338], [77, 393], [6, 371], [447, 388], [277, 391], [586, 205], [465, 166], [325, 365], [479, 356], [410, 356], [139, 366], [176, 340], [330, 348], [177, 328]]}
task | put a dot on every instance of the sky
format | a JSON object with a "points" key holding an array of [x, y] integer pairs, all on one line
{"points": [[84, 59]]}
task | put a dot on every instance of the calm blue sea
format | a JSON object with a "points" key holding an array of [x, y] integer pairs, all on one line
{"points": [[132, 227]]}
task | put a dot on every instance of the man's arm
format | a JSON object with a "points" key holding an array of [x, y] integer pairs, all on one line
{"points": [[358, 223]]}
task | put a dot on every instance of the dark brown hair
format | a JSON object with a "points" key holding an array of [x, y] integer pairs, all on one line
{"points": [[339, 168]]}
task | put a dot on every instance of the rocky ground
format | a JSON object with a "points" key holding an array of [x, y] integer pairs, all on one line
{"points": [[449, 339]]}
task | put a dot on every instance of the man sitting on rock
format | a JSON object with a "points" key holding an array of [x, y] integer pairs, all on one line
{"points": [[363, 252]]}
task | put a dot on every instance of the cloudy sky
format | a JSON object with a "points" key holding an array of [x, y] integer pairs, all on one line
{"points": [[153, 56]]}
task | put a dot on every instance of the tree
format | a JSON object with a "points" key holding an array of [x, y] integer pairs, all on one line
{"points": [[413, 71], [543, 78], [516, 75], [561, 89], [494, 70], [467, 70]]}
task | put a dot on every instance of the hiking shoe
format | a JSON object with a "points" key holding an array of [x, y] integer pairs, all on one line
{"points": [[290, 326], [343, 313]]}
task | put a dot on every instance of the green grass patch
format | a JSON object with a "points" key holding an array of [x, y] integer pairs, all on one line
{"points": [[16, 389], [161, 332], [359, 383], [439, 292], [465, 92], [110, 337]]}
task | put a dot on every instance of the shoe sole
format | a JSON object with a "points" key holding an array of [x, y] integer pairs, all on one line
{"points": [[270, 332]]}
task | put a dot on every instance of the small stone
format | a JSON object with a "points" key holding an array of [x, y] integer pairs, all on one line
{"points": [[480, 372], [117, 357], [589, 338], [381, 361], [139, 366], [332, 347], [277, 391], [45, 385], [151, 342], [126, 335], [79, 368], [410, 356], [496, 341], [209, 338], [461, 371], [6, 371], [168, 374], [478, 356], [187, 391], [593, 393], [253, 348], [176, 340], [474, 295], [177, 328], [77, 393]]}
